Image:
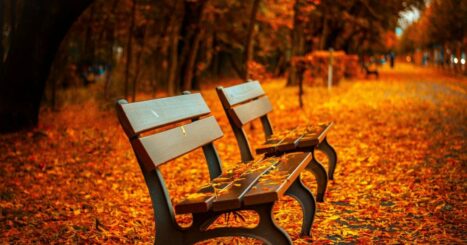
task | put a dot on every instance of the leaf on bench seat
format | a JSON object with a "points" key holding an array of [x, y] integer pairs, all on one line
{"points": [[271, 186], [261, 182], [201, 201], [314, 135], [300, 137], [231, 197]]}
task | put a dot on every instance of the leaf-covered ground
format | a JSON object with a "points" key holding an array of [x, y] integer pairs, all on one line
{"points": [[400, 176]]}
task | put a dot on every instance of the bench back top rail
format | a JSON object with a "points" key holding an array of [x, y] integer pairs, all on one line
{"points": [[243, 92], [139, 117], [244, 102], [158, 148]]}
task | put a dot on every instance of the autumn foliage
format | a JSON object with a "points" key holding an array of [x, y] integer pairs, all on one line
{"points": [[400, 176]]}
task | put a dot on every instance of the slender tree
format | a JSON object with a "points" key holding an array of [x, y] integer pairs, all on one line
{"points": [[129, 46], [248, 53], [191, 33]]}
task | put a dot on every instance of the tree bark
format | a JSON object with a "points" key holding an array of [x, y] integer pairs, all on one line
{"points": [[248, 54], [2, 14], [190, 63], [40, 30], [138, 64], [173, 63], [298, 44], [190, 33], [129, 51], [89, 45]]}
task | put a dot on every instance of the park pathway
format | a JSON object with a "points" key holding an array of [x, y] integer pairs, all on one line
{"points": [[401, 143]]}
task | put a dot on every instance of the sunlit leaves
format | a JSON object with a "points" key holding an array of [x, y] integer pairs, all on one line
{"points": [[400, 176]]}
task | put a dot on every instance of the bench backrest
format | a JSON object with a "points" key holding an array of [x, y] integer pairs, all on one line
{"points": [[170, 141], [158, 148], [244, 103]]}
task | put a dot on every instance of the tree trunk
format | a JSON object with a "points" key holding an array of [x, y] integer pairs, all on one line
{"points": [[138, 65], [89, 45], [190, 63], [13, 6], [298, 44], [41, 28], [2, 14], [190, 33], [324, 34], [248, 54], [173, 63], [129, 51]]}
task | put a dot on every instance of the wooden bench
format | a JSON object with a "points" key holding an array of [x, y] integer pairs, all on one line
{"points": [[369, 71], [246, 102], [183, 124]]}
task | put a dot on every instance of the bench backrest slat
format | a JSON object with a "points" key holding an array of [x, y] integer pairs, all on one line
{"points": [[167, 145], [243, 92], [244, 113], [147, 115]]}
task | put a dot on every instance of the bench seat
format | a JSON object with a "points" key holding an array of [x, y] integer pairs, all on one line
{"points": [[259, 182], [294, 139]]}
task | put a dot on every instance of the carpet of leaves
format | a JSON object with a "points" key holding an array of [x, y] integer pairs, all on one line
{"points": [[401, 175]]}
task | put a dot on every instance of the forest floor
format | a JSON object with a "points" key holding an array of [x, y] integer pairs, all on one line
{"points": [[401, 175]]}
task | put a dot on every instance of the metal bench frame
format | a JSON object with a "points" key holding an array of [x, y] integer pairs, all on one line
{"points": [[167, 229]]}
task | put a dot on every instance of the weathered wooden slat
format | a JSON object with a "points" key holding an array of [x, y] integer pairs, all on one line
{"points": [[200, 201], [167, 145], [286, 144], [279, 142], [314, 138], [247, 112], [271, 186], [243, 92], [231, 197], [146, 115], [296, 139]]}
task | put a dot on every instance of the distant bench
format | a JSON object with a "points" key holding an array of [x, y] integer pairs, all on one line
{"points": [[369, 71], [184, 124], [246, 102]]}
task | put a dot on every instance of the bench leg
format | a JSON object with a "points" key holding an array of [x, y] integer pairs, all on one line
{"points": [[325, 147], [267, 228], [317, 169], [266, 231], [306, 199]]}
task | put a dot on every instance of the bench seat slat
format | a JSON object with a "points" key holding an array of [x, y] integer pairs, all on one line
{"points": [[286, 144], [231, 197], [315, 135], [147, 115], [257, 182], [272, 186], [199, 202], [245, 113], [167, 145], [243, 92], [202, 200], [295, 139]]}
